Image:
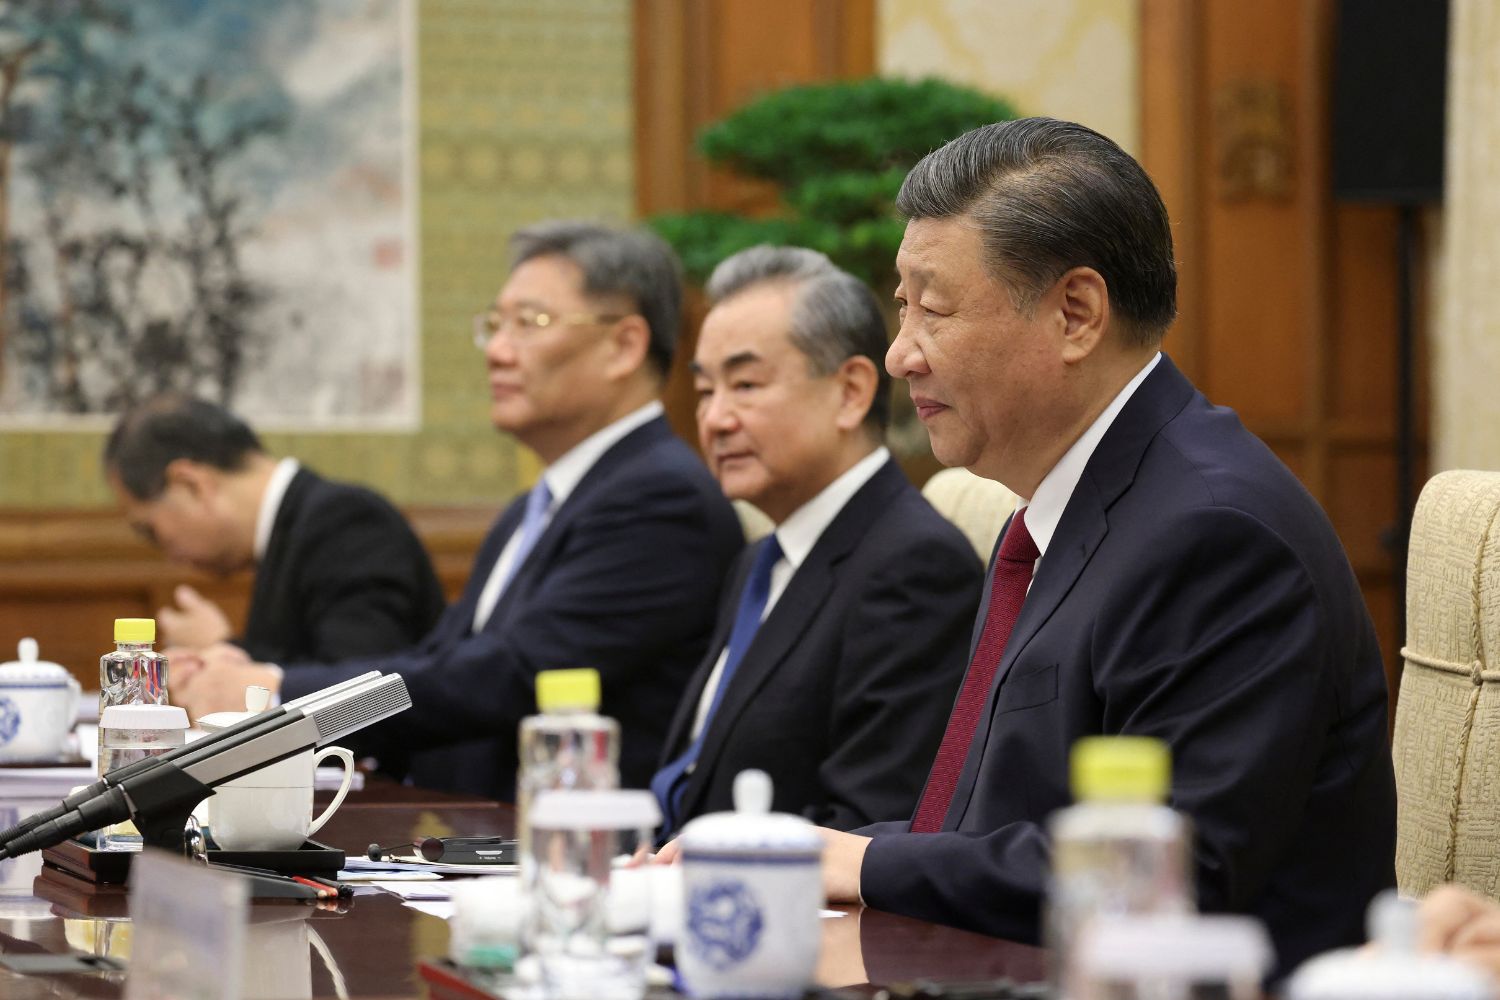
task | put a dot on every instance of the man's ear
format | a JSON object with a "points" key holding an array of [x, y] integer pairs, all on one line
{"points": [[200, 481], [631, 338], [857, 380], [1082, 299]]}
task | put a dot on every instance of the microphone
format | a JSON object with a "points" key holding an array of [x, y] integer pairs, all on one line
{"points": [[160, 799], [118, 775]]}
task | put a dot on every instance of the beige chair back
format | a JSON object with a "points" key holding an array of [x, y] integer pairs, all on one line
{"points": [[978, 507], [1447, 739]]}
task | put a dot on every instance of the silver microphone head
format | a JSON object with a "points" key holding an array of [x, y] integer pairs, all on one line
{"points": [[331, 691], [359, 707]]}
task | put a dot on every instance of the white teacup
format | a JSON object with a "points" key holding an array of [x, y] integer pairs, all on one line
{"points": [[38, 702], [271, 809]]}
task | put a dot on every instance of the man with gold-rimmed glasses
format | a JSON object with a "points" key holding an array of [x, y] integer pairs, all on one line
{"points": [[612, 560]]}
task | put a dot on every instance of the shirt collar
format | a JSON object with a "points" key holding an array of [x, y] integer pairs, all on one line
{"points": [[1056, 488], [564, 475], [805, 525], [270, 503]]}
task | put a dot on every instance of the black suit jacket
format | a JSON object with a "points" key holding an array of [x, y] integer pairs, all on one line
{"points": [[625, 579], [843, 694], [1195, 592], [343, 575]]}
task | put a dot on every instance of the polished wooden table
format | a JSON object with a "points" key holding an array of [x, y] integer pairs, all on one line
{"points": [[370, 946]]}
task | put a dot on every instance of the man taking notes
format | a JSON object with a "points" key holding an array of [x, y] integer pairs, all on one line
{"points": [[842, 636], [1166, 575], [613, 560]]}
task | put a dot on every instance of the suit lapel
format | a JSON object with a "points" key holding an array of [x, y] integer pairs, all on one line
{"points": [[267, 596], [796, 609], [460, 619], [544, 554], [1082, 527], [679, 733]]}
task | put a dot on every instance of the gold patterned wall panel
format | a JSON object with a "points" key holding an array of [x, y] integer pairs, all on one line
{"points": [[1074, 59], [1466, 345], [524, 112]]}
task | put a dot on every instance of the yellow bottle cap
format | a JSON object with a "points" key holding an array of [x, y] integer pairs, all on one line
{"points": [[560, 690], [135, 630], [1121, 768]]}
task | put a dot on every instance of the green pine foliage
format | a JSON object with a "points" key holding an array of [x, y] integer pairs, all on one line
{"points": [[838, 152]]}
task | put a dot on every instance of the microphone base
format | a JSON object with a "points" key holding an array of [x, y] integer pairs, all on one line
{"points": [[162, 801]]}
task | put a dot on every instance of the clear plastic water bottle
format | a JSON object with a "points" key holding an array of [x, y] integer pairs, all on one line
{"points": [[1119, 850], [134, 673], [568, 746], [129, 733]]}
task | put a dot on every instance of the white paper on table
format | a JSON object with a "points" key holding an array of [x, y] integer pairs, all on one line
{"points": [[416, 890], [328, 779], [42, 782], [414, 864], [379, 875], [442, 909]]}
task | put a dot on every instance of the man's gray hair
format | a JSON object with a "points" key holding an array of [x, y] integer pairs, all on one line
{"points": [[1049, 196], [635, 264], [835, 316]]}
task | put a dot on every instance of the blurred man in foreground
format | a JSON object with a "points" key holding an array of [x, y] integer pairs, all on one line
{"points": [[1165, 574], [338, 571], [842, 635], [613, 560]]}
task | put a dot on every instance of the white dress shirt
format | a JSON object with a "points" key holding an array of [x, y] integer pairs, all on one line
{"points": [[797, 535], [270, 503], [561, 477]]}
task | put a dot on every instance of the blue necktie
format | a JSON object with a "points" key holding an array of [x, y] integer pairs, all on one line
{"points": [[671, 781], [532, 523], [535, 518]]}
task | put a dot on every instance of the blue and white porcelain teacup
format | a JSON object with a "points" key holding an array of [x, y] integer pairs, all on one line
{"points": [[753, 888], [38, 703]]}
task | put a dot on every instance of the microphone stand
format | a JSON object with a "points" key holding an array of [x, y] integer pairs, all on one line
{"points": [[161, 802]]}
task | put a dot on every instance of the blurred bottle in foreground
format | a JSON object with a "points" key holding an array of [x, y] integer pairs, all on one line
{"points": [[568, 746], [1171, 956], [134, 673], [1393, 969], [1119, 850]]}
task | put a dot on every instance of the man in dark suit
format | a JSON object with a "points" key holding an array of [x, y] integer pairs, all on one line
{"points": [[338, 571], [1166, 575], [842, 639], [614, 560]]}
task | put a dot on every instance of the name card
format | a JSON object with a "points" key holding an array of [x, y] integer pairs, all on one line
{"points": [[190, 923]]}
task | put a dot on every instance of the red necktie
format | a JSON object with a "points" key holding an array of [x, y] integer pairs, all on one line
{"points": [[1013, 565]]}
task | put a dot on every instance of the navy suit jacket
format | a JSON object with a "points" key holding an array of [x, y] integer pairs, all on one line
{"points": [[343, 575], [843, 694], [625, 579], [1195, 592]]}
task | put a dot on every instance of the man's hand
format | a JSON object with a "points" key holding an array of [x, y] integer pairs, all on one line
{"points": [[1456, 921], [196, 622], [843, 857], [220, 685], [182, 663], [669, 852]]}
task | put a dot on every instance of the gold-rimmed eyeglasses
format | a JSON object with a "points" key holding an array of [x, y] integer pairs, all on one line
{"points": [[525, 321]]}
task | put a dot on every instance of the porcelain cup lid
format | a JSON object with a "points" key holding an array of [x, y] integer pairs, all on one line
{"points": [[752, 828], [256, 700], [27, 669]]}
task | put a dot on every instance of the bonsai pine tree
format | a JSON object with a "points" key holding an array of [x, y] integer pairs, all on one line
{"points": [[838, 153]]}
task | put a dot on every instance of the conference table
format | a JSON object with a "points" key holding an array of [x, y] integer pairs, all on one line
{"points": [[372, 946]]}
